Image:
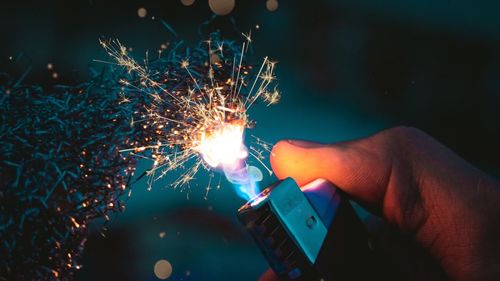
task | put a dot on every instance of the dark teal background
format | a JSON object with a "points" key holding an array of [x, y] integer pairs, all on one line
{"points": [[346, 69]]}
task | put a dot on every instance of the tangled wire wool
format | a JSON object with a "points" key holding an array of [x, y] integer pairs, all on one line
{"points": [[68, 153], [61, 168]]}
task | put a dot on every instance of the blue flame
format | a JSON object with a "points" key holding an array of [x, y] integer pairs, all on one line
{"points": [[245, 180]]}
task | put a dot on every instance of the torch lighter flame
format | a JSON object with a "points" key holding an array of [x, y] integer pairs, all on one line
{"points": [[223, 147]]}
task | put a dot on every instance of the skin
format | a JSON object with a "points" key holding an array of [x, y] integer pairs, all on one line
{"points": [[447, 207]]}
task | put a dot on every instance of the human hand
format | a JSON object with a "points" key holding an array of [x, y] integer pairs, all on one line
{"points": [[448, 207]]}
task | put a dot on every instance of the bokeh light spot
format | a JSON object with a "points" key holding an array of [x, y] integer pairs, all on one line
{"points": [[142, 12], [272, 5], [221, 7], [187, 2], [163, 269]]}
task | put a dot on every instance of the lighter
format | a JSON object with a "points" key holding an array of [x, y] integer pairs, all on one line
{"points": [[311, 233]]}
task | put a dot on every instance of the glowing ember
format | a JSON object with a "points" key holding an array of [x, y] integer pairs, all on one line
{"points": [[224, 146]]}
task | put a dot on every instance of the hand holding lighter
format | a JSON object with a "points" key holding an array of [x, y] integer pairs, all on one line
{"points": [[311, 233]]}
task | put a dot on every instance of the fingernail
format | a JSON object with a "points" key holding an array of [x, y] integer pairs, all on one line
{"points": [[304, 144]]}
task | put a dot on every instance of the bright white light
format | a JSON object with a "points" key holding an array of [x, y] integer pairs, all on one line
{"points": [[223, 147]]}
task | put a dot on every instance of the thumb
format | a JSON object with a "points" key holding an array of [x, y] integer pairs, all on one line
{"points": [[355, 167]]}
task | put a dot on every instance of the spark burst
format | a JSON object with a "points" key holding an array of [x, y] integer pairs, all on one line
{"points": [[198, 104], [62, 166]]}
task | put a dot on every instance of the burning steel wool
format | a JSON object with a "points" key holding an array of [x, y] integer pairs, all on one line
{"points": [[199, 109], [60, 169], [70, 152]]}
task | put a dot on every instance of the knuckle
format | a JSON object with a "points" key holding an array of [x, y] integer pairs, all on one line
{"points": [[404, 132], [404, 138]]}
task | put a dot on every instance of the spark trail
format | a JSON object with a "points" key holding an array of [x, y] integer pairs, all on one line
{"points": [[195, 103]]}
